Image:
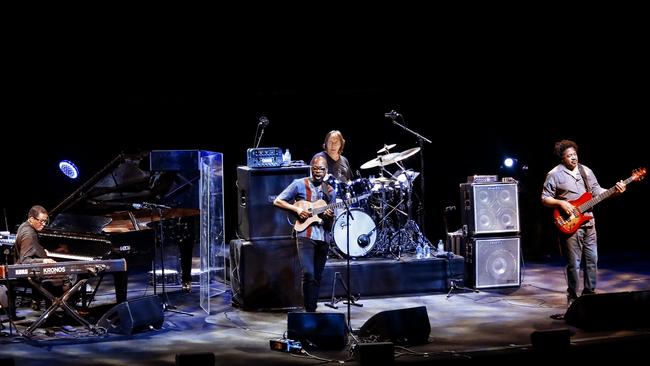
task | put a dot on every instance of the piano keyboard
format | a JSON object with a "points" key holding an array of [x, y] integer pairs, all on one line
{"points": [[68, 256], [14, 271]]}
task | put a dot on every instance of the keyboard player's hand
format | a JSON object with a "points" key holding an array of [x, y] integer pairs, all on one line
{"points": [[48, 260]]}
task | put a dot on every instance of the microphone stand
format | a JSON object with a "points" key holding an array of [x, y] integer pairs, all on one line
{"points": [[165, 297], [350, 301], [421, 141], [261, 134]]}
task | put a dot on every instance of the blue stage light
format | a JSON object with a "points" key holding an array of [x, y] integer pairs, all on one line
{"points": [[69, 169]]}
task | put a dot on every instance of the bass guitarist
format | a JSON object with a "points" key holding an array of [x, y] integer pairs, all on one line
{"points": [[311, 241], [565, 183]]}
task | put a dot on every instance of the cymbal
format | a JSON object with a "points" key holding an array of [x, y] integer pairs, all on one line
{"points": [[408, 153], [382, 160], [386, 148], [382, 180], [406, 175]]}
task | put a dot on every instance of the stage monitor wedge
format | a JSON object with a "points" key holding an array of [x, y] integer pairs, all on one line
{"points": [[408, 326]]}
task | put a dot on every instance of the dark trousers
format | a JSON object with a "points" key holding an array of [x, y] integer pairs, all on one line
{"points": [[312, 255], [581, 250]]}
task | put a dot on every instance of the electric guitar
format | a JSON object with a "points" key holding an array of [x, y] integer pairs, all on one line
{"points": [[320, 206], [570, 224]]}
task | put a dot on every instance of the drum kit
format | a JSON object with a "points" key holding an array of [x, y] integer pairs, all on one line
{"points": [[381, 225]]}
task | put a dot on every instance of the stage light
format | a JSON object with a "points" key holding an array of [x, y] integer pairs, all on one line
{"points": [[69, 169], [509, 162]]}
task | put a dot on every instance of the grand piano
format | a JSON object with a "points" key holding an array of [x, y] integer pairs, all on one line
{"points": [[135, 202]]}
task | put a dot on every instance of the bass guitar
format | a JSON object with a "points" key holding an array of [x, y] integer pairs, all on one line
{"points": [[320, 206], [569, 224]]}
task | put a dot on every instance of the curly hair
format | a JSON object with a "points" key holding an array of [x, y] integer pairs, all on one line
{"points": [[560, 146]]}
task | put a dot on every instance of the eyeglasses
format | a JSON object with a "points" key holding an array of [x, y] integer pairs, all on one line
{"points": [[42, 221], [318, 168]]}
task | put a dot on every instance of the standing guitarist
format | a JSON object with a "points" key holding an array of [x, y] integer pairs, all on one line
{"points": [[311, 242], [567, 182]]}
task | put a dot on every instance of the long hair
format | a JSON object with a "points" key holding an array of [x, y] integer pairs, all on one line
{"points": [[331, 134]]}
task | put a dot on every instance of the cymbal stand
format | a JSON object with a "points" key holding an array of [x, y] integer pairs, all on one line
{"points": [[165, 297]]}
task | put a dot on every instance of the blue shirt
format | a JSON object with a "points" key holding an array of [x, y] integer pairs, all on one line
{"points": [[303, 189]]}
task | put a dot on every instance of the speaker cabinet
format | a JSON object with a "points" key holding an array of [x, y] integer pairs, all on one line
{"points": [[403, 326], [618, 310], [265, 274], [489, 208], [258, 219], [493, 262], [133, 316], [320, 330]]}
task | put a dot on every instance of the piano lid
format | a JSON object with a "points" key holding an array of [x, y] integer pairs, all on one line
{"points": [[110, 201]]}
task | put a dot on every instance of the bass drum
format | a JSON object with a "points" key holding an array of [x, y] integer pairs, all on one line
{"points": [[362, 233]]}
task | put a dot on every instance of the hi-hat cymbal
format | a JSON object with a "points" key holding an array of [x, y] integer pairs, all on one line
{"points": [[382, 160], [386, 148]]}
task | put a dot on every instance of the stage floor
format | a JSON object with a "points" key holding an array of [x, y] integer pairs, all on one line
{"points": [[464, 325]]}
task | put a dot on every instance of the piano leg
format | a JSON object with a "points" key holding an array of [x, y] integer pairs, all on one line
{"points": [[58, 302], [121, 281]]}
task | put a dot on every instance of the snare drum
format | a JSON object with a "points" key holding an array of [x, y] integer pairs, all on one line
{"points": [[363, 233]]}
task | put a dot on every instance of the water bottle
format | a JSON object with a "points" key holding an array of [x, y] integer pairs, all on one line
{"points": [[441, 247], [286, 157], [418, 251], [427, 251]]}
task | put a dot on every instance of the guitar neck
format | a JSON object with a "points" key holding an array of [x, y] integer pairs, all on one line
{"points": [[595, 200], [319, 210]]}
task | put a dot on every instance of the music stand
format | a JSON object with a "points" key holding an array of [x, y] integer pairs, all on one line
{"points": [[449, 256]]}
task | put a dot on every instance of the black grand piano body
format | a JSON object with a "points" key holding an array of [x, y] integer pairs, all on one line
{"points": [[121, 212]]}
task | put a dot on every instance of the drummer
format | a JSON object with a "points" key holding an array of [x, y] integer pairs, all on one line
{"points": [[337, 164]]}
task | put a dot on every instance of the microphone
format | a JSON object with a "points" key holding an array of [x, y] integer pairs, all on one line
{"points": [[450, 208], [363, 240], [263, 121], [392, 114], [140, 206], [329, 178]]}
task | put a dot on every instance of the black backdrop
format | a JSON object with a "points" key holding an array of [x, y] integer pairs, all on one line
{"points": [[476, 107]]}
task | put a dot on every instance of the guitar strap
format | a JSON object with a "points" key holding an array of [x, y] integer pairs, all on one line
{"points": [[308, 194], [583, 174]]}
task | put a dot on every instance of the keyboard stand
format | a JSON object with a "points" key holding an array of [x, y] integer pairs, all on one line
{"points": [[58, 302]]}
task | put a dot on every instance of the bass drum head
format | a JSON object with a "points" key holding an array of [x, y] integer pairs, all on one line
{"points": [[362, 233]]}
